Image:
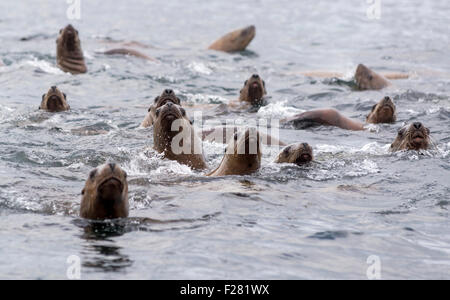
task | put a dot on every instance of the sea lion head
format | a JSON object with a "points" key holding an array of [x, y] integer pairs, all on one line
{"points": [[254, 90], [243, 156], [54, 101], [367, 79], [383, 112], [166, 115], [298, 154], [105, 195], [413, 137], [68, 39], [167, 95]]}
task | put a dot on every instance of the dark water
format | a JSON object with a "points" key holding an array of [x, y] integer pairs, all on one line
{"points": [[320, 221]]}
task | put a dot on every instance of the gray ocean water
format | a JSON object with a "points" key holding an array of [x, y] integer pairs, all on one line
{"points": [[321, 221]]}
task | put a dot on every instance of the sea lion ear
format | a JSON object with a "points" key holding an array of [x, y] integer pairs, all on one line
{"points": [[286, 151], [60, 31], [43, 97], [428, 131], [179, 101], [183, 111], [245, 83], [157, 112], [65, 96], [156, 99], [401, 132], [370, 77], [264, 83], [76, 31]]}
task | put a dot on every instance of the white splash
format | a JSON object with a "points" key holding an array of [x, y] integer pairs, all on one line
{"points": [[201, 68], [43, 66], [278, 110]]}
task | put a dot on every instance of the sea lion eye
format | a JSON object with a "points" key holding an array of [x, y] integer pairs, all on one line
{"points": [[179, 101], [183, 112], [125, 175], [76, 31], [428, 131], [401, 132], [83, 191], [156, 99], [60, 31], [245, 82], [43, 97], [370, 77], [235, 136], [264, 83], [92, 174], [65, 96], [375, 106], [286, 151], [157, 112]]}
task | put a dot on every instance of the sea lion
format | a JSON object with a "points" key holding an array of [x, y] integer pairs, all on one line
{"points": [[413, 137], [54, 101], [105, 194], [367, 79], [242, 156], [69, 54], [235, 41], [167, 95], [128, 52], [383, 112], [253, 91], [298, 154], [175, 137]]}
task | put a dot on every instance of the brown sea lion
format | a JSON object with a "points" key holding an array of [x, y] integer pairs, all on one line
{"points": [[298, 154], [383, 112], [235, 41], [128, 52], [253, 91], [367, 79], [69, 54], [105, 194], [167, 95], [242, 156], [412, 137], [54, 101], [175, 137]]}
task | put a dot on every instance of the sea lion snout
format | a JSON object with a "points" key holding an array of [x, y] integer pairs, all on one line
{"points": [[418, 125], [105, 195]]}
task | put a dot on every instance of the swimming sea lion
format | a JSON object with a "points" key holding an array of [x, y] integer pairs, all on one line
{"points": [[175, 137], [367, 79], [242, 156], [128, 52], [253, 91], [383, 112], [69, 54], [412, 137], [54, 101], [105, 194], [167, 95], [235, 41], [298, 154]]}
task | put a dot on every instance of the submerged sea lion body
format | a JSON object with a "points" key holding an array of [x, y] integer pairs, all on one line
{"points": [[128, 52], [69, 54], [242, 156], [54, 101], [235, 41], [177, 141], [383, 112], [298, 154], [412, 137], [167, 95], [105, 195]]}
